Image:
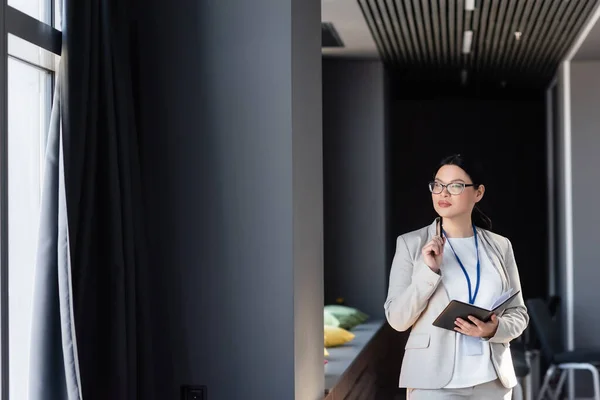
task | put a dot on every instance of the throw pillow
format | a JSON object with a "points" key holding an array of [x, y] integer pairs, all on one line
{"points": [[335, 336], [348, 317]]}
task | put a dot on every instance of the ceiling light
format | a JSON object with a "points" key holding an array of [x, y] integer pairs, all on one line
{"points": [[518, 35], [467, 41], [469, 5]]}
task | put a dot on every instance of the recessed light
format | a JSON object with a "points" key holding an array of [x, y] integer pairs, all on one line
{"points": [[467, 41], [518, 35], [469, 5]]}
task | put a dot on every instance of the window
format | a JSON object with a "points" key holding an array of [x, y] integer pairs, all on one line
{"points": [[29, 106], [27, 84], [46, 11]]}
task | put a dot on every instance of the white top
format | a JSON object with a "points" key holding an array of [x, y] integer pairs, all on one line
{"points": [[470, 370]]}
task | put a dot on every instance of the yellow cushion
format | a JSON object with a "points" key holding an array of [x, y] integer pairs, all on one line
{"points": [[335, 336], [326, 352]]}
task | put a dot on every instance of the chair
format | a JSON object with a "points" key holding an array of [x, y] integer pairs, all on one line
{"points": [[548, 334]]}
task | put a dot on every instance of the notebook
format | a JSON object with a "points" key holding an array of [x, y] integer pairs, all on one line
{"points": [[458, 309]]}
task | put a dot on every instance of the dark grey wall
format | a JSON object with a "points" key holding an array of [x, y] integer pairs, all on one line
{"points": [[585, 148], [491, 130], [354, 177], [232, 157]]}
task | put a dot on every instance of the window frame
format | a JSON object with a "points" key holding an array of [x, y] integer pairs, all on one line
{"points": [[17, 23]]}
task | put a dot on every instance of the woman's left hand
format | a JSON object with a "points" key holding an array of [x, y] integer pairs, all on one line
{"points": [[476, 327]]}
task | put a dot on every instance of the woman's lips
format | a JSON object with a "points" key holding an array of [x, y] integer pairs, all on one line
{"points": [[444, 204]]}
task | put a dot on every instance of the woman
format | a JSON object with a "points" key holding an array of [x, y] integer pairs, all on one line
{"points": [[466, 262]]}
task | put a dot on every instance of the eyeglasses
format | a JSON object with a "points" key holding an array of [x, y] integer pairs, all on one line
{"points": [[454, 188]]}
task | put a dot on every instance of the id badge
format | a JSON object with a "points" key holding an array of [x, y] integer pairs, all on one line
{"points": [[473, 346]]}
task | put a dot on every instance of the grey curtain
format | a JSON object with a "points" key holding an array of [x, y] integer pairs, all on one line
{"points": [[54, 372], [91, 337]]}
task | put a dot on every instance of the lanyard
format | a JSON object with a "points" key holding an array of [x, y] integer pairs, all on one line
{"points": [[474, 296]]}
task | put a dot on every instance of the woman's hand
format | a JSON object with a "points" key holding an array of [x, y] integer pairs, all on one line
{"points": [[433, 252], [476, 327]]}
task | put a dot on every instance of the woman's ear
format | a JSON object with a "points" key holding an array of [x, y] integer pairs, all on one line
{"points": [[479, 193]]}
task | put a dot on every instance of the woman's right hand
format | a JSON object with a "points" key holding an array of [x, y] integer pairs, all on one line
{"points": [[433, 253]]}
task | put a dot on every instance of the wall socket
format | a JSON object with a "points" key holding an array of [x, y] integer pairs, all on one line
{"points": [[193, 392]]}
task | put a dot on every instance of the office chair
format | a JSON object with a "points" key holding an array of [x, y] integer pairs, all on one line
{"points": [[548, 334]]}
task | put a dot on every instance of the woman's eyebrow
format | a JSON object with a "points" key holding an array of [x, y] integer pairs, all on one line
{"points": [[452, 181]]}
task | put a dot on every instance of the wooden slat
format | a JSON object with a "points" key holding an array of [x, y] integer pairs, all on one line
{"points": [[571, 34], [475, 24], [521, 22], [451, 33], [390, 24], [387, 35], [426, 21], [534, 35], [418, 20], [412, 50], [483, 62], [460, 29], [384, 44], [482, 33], [414, 36], [365, 9], [564, 14], [509, 27], [442, 7], [500, 31], [436, 25], [424, 38], [404, 50]]}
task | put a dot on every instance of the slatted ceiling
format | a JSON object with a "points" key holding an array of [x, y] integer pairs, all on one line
{"points": [[578, 20], [544, 51], [544, 32], [504, 36], [423, 39]]}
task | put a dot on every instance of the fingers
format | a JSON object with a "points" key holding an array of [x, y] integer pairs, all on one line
{"points": [[436, 246], [476, 327], [462, 326], [439, 241], [480, 324]]}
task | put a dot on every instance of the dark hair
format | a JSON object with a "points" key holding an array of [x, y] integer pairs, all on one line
{"points": [[475, 171]]}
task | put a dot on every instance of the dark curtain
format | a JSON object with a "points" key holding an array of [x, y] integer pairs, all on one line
{"points": [[105, 266]]}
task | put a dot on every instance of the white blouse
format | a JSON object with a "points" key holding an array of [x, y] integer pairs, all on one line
{"points": [[470, 367]]}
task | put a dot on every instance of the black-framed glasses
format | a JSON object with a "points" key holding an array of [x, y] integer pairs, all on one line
{"points": [[454, 188]]}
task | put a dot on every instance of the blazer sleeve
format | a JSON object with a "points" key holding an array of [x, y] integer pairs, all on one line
{"points": [[515, 319], [410, 287]]}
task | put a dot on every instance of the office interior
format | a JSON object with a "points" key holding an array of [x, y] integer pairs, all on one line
{"points": [[283, 146], [455, 78]]}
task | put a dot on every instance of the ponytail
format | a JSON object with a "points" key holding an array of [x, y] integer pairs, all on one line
{"points": [[480, 219]]}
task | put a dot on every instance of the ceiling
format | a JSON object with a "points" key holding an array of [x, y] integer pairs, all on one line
{"points": [[590, 48], [347, 18], [513, 42]]}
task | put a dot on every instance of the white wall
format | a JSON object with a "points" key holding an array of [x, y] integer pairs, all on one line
{"points": [[585, 137], [585, 146], [577, 164]]}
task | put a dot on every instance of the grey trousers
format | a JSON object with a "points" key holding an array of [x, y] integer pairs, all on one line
{"points": [[493, 390]]}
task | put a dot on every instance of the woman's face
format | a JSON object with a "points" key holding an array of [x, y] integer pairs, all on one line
{"points": [[452, 205]]}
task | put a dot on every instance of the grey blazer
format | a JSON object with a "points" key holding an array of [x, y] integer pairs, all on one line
{"points": [[416, 296]]}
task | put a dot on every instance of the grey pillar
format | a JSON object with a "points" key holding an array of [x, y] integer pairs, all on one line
{"points": [[231, 118]]}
